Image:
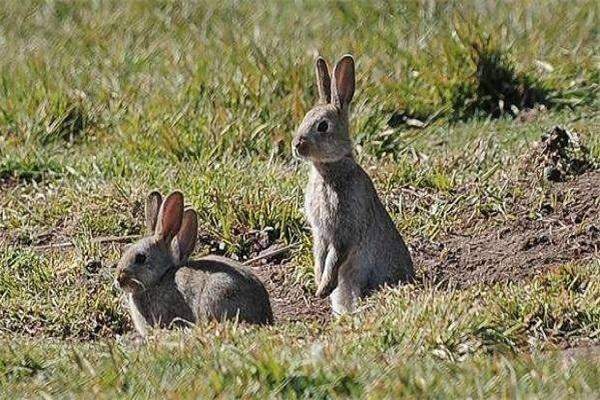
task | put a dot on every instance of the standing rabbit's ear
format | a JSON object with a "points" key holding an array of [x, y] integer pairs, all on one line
{"points": [[169, 218], [185, 241], [153, 202], [342, 87], [323, 80]]}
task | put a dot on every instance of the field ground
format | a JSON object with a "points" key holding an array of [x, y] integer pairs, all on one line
{"points": [[101, 102]]}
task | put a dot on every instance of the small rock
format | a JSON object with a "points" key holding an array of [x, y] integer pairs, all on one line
{"points": [[534, 241], [575, 218], [546, 209], [552, 174], [93, 267]]}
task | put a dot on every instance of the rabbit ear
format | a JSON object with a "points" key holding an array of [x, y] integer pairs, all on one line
{"points": [[342, 87], [153, 202], [169, 217], [323, 80], [185, 241]]}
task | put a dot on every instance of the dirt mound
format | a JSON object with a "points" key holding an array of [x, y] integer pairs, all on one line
{"points": [[291, 301], [568, 231], [560, 155]]}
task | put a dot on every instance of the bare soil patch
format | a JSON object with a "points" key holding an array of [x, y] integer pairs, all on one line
{"points": [[566, 232], [291, 301]]}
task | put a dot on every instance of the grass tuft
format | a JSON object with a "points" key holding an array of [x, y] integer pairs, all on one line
{"points": [[496, 88]]}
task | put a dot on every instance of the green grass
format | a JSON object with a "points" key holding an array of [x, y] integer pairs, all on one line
{"points": [[102, 101], [475, 342]]}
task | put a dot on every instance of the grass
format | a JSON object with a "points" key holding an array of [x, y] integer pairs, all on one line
{"points": [[101, 102], [475, 342]]}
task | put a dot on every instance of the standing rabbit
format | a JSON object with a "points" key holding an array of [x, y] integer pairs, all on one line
{"points": [[164, 288], [357, 248]]}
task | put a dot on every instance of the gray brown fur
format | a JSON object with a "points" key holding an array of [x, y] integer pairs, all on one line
{"points": [[166, 289], [356, 246]]}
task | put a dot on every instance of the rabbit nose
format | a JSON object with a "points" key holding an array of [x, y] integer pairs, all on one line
{"points": [[299, 140], [122, 277], [301, 145]]}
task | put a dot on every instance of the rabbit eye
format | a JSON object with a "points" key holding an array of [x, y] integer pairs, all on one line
{"points": [[140, 258], [322, 127]]}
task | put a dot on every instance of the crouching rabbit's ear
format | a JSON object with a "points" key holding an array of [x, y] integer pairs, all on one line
{"points": [[153, 203], [169, 217], [185, 241]]}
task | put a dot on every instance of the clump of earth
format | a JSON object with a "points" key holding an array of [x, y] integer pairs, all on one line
{"points": [[561, 155]]}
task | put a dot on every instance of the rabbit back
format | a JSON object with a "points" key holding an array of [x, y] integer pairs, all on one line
{"points": [[219, 288]]}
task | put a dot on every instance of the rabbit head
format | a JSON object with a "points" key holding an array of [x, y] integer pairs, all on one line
{"points": [[172, 237], [323, 135]]}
